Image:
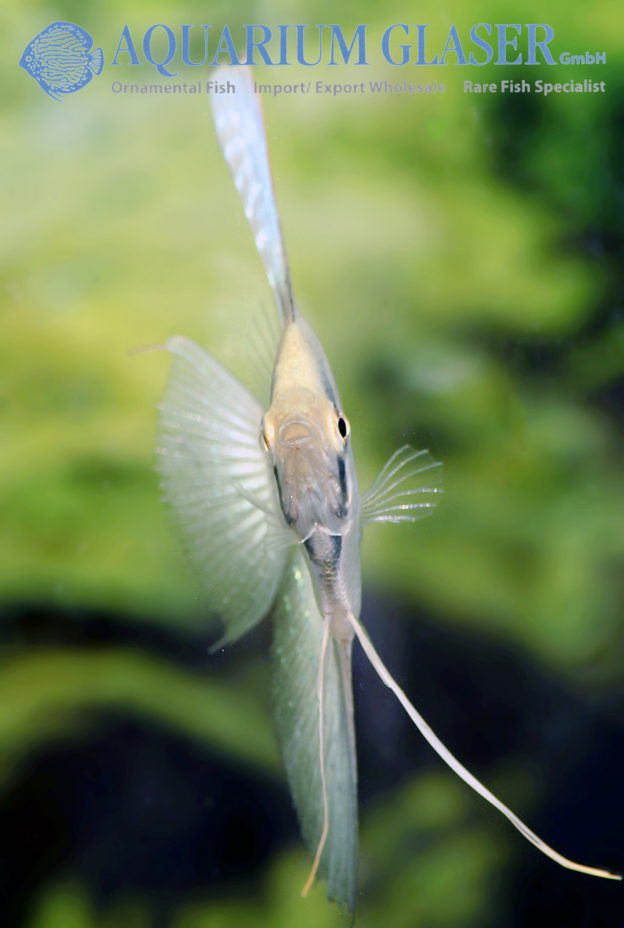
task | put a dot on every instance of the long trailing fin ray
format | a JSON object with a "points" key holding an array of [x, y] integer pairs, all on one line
{"points": [[321, 710], [458, 768], [297, 643], [221, 488], [240, 130], [400, 492]]}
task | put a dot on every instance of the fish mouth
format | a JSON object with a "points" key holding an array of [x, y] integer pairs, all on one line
{"points": [[310, 489], [295, 432]]}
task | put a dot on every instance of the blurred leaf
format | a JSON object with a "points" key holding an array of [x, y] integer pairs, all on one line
{"points": [[64, 907], [45, 694]]}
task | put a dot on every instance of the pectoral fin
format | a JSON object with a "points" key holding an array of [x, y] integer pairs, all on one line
{"points": [[221, 487], [298, 634], [405, 489]]}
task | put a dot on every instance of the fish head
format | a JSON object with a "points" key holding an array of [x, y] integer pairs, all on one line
{"points": [[307, 438], [29, 61]]}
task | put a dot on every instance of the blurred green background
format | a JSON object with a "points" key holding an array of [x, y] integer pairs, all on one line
{"points": [[460, 259]]}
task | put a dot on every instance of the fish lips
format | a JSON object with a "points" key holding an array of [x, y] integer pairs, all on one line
{"points": [[295, 433]]}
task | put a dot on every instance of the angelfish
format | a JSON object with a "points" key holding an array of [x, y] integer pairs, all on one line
{"points": [[268, 508]]}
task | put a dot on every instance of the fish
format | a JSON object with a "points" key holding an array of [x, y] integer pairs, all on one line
{"points": [[60, 59], [266, 500]]}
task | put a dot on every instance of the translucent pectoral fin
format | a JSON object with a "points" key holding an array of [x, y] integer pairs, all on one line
{"points": [[405, 489], [220, 486], [297, 645], [458, 768]]}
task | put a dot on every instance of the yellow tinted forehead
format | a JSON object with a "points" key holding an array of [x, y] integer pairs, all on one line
{"points": [[301, 362]]}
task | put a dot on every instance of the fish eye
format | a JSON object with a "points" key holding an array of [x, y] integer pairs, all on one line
{"points": [[343, 427]]}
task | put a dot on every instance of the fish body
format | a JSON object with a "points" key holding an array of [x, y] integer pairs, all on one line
{"points": [[61, 59], [308, 438], [269, 511]]}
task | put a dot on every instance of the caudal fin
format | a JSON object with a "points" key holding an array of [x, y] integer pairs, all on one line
{"points": [[96, 61]]}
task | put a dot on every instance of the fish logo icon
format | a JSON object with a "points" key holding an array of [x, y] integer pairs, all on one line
{"points": [[61, 59]]}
